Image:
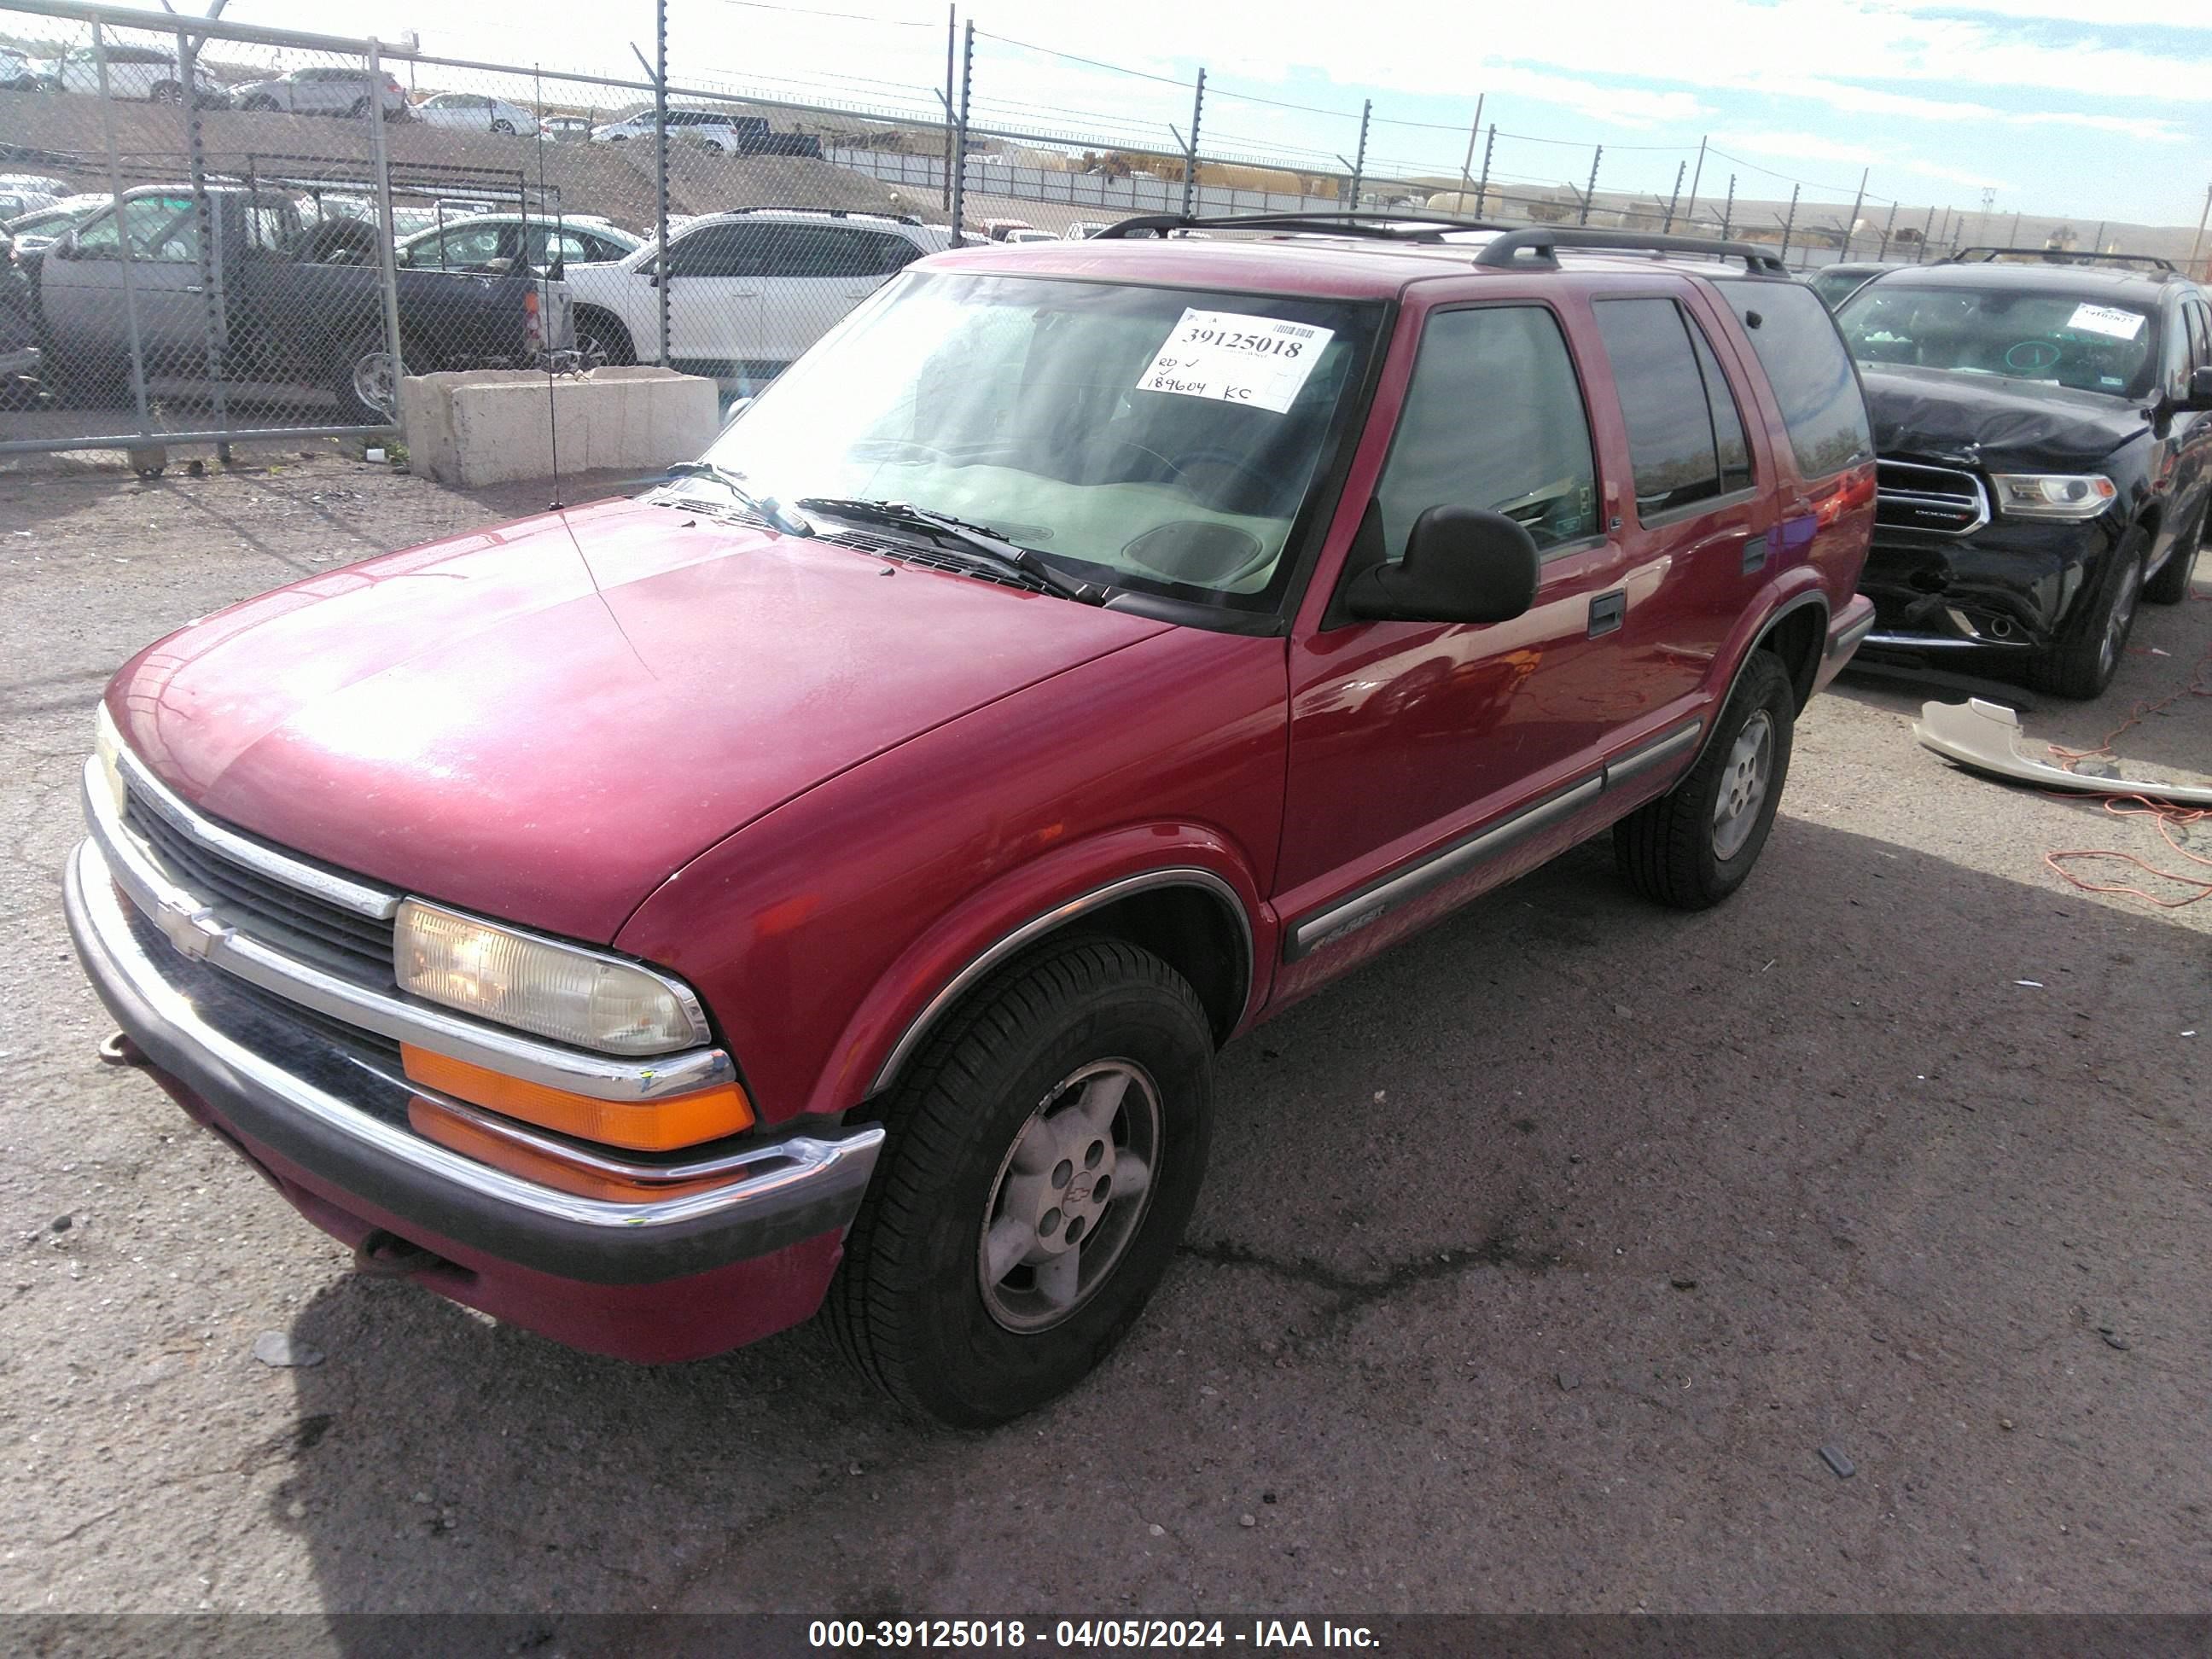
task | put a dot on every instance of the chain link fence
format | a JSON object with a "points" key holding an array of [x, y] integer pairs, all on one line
{"points": [[221, 231]]}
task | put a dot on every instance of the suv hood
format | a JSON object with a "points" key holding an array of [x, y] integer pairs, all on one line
{"points": [[2028, 425], [543, 721]]}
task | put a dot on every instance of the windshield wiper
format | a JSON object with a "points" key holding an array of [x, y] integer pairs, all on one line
{"points": [[767, 506], [988, 549]]}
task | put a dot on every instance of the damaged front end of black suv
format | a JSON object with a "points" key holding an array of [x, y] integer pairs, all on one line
{"points": [[2046, 459]]}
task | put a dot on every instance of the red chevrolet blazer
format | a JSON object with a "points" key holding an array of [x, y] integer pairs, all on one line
{"points": [[825, 879]]}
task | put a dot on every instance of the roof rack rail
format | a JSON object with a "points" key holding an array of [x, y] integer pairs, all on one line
{"points": [[1545, 241], [1380, 227], [834, 213], [2058, 256]]}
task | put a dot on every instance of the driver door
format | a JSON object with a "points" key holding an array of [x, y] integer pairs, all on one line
{"points": [[1406, 735]]}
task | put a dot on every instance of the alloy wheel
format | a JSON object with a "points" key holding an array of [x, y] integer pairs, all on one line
{"points": [[1069, 1195], [1744, 782]]}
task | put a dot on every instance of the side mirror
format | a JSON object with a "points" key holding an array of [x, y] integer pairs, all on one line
{"points": [[1461, 565], [2199, 396]]}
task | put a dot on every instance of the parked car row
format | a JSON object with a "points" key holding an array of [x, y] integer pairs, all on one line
{"points": [[301, 302], [154, 73]]}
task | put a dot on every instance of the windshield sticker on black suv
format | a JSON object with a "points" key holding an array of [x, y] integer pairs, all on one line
{"points": [[2106, 320], [1258, 361]]}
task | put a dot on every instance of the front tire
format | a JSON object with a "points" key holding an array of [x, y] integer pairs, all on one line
{"points": [[505, 126], [1693, 845], [2094, 639], [1045, 1154]]}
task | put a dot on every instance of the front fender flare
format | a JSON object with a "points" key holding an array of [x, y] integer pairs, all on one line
{"points": [[1025, 905]]}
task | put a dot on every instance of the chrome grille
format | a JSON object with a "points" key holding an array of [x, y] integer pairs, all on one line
{"points": [[279, 915], [1937, 500]]}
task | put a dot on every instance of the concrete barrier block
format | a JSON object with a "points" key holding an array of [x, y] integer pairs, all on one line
{"points": [[494, 426]]}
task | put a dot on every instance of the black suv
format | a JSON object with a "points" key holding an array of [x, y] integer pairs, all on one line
{"points": [[2045, 424]]}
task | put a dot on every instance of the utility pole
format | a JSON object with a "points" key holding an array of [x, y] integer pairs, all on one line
{"points": [[2012, 236], [1790, 224], [1728, 213], [1190, 155], [1922, 256], [960, 138], [1596, 156], [2097, 243], [1851, 226], [1989, 201], [1696, 177], [1885, 226], [1674, 201], [2202, 220], [1473, 133], [1482, 190]]}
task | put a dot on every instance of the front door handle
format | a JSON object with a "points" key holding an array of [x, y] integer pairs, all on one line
{"points": [[1607, 611]]}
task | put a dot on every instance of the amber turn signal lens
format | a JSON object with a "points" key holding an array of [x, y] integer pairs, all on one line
{"points": [[645, 1125], [434, 1121]]}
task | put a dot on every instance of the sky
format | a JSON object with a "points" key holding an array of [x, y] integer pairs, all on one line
{"points": [[2080, 108]]}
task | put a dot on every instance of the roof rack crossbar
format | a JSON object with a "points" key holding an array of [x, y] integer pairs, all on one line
{"points": [[2058, 256], [1381, 227], [1544, 241]]}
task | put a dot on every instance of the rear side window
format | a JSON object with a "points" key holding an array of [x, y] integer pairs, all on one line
{"points": [[1797, 345], [1671, 405], [1494, 419]]}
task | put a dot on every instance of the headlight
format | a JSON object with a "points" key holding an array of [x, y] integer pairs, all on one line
{"points": [[107, 744], [557, 990], [2072, 495]]}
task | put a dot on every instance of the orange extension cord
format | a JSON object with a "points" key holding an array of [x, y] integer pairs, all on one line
{"points": [[2167, 815]]}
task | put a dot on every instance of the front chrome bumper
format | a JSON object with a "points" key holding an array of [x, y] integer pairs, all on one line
{"points": [[337, 1110]]}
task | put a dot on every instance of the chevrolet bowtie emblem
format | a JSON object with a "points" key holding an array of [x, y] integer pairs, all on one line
{"points": [[193, 928]]}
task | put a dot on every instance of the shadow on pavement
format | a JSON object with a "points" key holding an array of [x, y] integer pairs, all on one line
{"points": [[1536, 1262]]}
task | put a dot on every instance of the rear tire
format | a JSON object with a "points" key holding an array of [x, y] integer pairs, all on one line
{"points": [[505, 126], [1693, 845], [602, 340], [2171, 585], [2094, 639], [1046, 1150], [168, 92]]}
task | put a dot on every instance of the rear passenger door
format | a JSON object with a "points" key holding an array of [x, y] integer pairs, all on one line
{"points": [[1701, 502], [820, 273]]}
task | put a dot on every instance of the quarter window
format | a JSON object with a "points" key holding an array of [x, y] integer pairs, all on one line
{"points": [[1494, 419], [1796, 344], [1668, 403]]}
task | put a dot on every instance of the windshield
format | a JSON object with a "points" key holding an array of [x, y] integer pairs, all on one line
{"points": [[2105, 346], [1157, 438]]}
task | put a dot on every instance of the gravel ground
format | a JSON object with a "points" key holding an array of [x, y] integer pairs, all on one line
{"points": [[1538, 1262]]}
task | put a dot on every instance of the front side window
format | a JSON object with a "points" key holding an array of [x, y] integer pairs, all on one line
{"points": [[1796, 341], [2102, 345], [1668, 403], [1162, 439], [154, 230], [740, 250], [1494, 419]]}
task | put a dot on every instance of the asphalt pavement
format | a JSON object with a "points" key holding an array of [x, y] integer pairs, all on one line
{"points": [[1838, 1250]]}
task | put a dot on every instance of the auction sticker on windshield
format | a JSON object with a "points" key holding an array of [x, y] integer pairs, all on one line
{"points": [[2106, 320], [1258, 362]]}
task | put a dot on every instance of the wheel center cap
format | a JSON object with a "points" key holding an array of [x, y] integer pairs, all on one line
{"points": [[1078, 1190]]}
